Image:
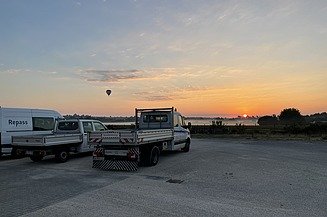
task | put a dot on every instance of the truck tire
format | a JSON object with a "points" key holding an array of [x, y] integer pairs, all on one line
{"points": [[144, 156], [15, 154], [61, 156], [36, 158], [187, 146], [154, 156]]}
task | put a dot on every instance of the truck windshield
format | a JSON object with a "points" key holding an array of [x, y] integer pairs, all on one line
{"points": [[98, 126], [71, 125]]}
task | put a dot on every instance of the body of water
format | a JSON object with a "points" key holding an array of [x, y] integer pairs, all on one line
{"points": [[226, 122]]}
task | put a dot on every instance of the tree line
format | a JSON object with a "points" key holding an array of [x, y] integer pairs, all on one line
{"points": [[292, 116], [101, 118]]}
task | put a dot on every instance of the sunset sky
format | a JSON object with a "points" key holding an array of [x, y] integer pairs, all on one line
{"points": [[207, 58]]}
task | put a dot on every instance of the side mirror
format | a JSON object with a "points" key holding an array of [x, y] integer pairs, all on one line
{"points": [[188, 126]]}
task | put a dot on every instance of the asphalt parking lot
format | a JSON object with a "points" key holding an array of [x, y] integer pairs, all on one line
{"points": [[218, 177]]}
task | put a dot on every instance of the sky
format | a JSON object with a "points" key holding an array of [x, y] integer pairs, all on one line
{"points": [[205, 57]]}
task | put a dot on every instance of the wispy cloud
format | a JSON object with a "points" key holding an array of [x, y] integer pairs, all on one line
{"points": [[152, 95], [170, 93], [14, 71], [158, 98], [114, 75], [111, 75], [38, 74]]}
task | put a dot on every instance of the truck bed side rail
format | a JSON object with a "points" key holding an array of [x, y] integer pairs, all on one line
{"points": [[130, 137], [148, 136], [46, 140]]}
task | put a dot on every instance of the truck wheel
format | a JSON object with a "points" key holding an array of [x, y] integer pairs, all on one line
{"points": [[61, 156], [187, 146], [36, 158], [144, 156], [154, 156], [15, 154]]}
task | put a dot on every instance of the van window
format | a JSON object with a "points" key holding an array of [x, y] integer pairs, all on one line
{"points": [[68, 125], [155, 118], [98, 126], [43, 123]]}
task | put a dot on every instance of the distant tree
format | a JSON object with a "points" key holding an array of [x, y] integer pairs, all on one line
{"points": [[268, 120], [316, 118], [291, 116]]}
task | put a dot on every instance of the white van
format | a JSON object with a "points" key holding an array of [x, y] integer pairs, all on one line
{"points": [[22, 121]]}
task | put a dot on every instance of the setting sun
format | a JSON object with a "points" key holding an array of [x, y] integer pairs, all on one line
{"points": [[245, 116]]}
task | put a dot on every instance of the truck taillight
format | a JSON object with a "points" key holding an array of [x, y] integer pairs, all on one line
{"points": [[131, 156], [98, 152]]}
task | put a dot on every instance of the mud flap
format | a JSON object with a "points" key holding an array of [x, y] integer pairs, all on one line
{"points": [[119, 165]]}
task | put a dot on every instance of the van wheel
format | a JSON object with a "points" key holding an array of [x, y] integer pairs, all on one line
{"points": [[154, 156], [187, 146], [36, 158], [61, 156]]}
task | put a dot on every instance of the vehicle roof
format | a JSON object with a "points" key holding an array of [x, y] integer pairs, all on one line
{"points": [[80, 120], [25, 109], [29, 112]]}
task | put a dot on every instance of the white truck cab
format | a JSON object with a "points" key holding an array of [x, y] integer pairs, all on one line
{"points": [[23, 121], [181, 133], [166, 119]]}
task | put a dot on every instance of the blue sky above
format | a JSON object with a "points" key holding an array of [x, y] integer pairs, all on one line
{"points": [[231, 57]]}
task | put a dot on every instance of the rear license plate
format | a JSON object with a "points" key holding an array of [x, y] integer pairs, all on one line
{"points": [[116, 152], [98, 158]]}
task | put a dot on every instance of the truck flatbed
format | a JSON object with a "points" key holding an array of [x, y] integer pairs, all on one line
{"points": [[47, 140], [134, 137]]}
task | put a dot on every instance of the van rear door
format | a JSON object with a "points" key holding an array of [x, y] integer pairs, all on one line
{"points": [[15, 122]]}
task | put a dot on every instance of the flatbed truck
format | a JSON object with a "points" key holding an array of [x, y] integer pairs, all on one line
{"points": [[70, 136], [156, 130]]}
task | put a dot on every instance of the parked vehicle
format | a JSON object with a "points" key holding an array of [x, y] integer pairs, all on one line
{"points": [[156, 130], [70, 136], [22, 121]]}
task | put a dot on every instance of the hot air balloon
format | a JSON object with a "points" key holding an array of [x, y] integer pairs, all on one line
{"points": [[108, 92]]}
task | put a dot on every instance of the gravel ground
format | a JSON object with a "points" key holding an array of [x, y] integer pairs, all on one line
{"points": [[218, 177]]}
